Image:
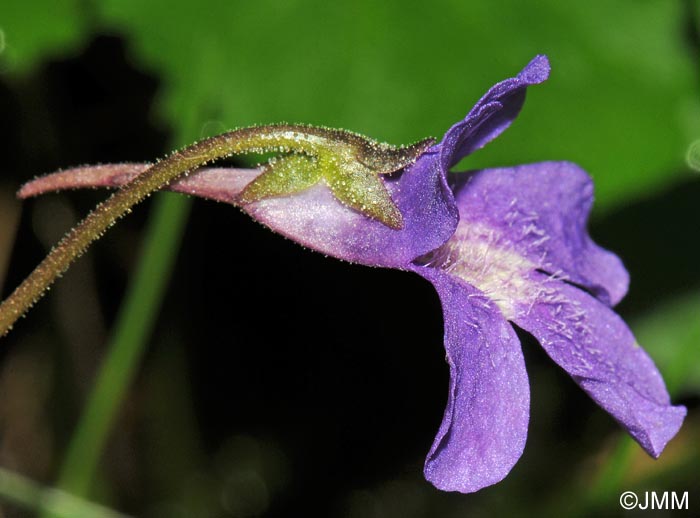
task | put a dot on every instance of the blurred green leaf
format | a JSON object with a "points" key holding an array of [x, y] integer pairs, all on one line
{"points": [[621, 101], [671, 335], [31, 31]]}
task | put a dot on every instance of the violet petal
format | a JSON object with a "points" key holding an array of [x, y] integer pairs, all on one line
{"points": [[484, 427], [597, 349], [542, 210], [492, 115]]}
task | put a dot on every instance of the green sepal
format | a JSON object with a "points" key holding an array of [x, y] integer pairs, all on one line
{"points": [[282, 176]]}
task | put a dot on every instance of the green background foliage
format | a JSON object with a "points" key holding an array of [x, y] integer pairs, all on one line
{"points": [[621, 101]]}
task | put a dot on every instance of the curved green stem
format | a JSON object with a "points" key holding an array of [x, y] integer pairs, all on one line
{"points": [[340, 152], [91, 228]]}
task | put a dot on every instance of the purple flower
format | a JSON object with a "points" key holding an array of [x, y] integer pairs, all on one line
{"points": [[499, 245]]}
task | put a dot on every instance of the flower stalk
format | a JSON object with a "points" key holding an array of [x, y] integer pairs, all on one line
{"points": [[347, 162]]}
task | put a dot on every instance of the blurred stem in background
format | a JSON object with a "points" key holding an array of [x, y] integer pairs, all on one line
{"points": [[133, 327], [22, 491], [612, 473]]}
